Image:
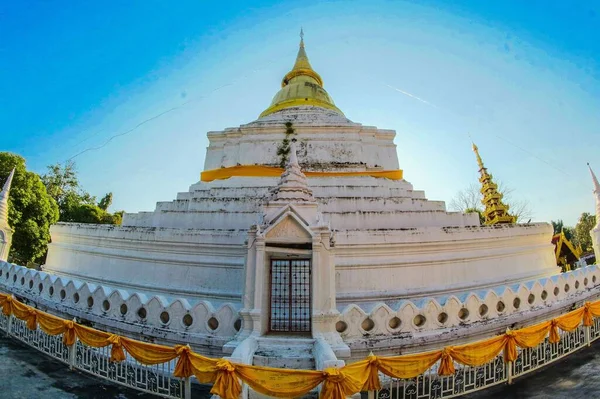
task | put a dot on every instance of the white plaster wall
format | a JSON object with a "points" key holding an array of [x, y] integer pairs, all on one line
{"points": [[326, 141], [375, 265], [189, 263]]}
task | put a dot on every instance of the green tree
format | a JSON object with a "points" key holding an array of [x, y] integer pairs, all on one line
{"points": [[582, 231], [559, 226], [31, 211], [75, 204], [105, 202]]}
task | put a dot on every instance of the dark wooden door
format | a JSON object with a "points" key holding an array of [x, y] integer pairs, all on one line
{"points": [[290, 295]]}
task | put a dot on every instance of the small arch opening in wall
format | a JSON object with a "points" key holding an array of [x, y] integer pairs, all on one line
{"points": [[7, 275], [594, 279], [500, 306], [567, 287], [585, 281], [442, 318], [76, 298], [51, 291], [14, 278], [22, 280], [395, 323], [164, 317], [1, 272], [188, 320], [142, 313], [556, 291], [63, 294], [40, 287], [544, 295], [367, 324], [517, 303], [463, 314], [213, 323], [576, 284], [90, 301], [341, 326], [30, 284], [483, 310], [531, 299], [106, 305], [123, 309], [419, 320], [237, 325]]}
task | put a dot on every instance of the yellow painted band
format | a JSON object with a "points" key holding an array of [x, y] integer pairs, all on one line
{"points": [[269, 171], [297, 102]]}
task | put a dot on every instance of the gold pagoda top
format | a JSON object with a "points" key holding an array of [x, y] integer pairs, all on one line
{"points": [[301, 86], [495, 210]]}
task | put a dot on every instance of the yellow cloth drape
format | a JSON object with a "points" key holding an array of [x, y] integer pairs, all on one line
{"points": [[279, 383], [269, 171], [6, 304], [99, 339], [26, 313], [53, 325], [478, 353], [407, 366], [226, 377], [591, 310]]}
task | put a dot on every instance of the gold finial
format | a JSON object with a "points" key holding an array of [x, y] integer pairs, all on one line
{"points": [[479, 161], [302, 86], [495, 210]]}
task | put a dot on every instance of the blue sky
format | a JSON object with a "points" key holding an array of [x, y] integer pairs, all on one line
{"points": [[522, 78]]}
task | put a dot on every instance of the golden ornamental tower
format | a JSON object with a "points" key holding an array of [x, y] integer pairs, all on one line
{"points": [[302, 86], [495, 210]]}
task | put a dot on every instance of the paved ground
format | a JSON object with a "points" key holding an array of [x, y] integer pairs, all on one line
{"points": [[25, 373], [574, 377]]}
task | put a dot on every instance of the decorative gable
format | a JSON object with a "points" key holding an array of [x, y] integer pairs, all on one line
{"points": [[288, 229]]}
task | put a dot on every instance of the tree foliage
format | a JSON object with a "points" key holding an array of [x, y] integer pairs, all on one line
{"points": [[75, 204], [469, 200], [569, 231], [582, 231], [106, 202], [31, 211]]}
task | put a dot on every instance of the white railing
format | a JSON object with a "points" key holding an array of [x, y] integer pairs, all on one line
{"points": [[157, 379], [470, 379]]}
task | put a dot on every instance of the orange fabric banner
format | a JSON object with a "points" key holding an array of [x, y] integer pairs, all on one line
{"points": [[337, 383]]}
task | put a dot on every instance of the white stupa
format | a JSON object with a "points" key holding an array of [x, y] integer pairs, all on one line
{"points": [[336, 250]]}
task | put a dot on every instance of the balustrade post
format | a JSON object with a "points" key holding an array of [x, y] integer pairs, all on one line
{"points": [[588, 341], [187, 388], [371, 395], [73, 351], [73, 354], [9, 324], [509, 372]]}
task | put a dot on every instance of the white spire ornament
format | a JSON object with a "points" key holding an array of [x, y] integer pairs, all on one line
{"points": [[595, 232], [293, 185], [597, 197], [5, 230]]}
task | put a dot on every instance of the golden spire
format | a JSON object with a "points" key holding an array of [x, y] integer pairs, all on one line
{"points": [[301, 86], [495, 210]]}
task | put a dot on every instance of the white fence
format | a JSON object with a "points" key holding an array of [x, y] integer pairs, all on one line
{"points": [[470, 379], [157, 379]]}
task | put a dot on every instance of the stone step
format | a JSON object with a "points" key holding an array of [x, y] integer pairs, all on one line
{"points": [[285, 352]]}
